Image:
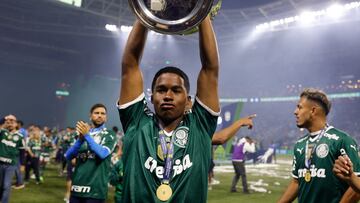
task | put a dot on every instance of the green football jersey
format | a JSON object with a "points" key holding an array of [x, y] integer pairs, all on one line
{"points": [[10, 143], [35, 147], [323, 186], [116, 180], [47, 146], [144, 162], [67, 141], [91, 175]]}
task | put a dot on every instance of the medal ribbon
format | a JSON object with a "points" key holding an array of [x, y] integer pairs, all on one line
{"points": [[168, 153], [308, 159]]}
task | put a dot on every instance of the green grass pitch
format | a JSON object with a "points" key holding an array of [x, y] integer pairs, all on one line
{"points": [[266, 182]]}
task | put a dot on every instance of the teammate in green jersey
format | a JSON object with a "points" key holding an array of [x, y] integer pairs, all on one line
{"points": [[70, 164], [47, 146], [34, 151], [116, 177], [167, 154], [92, 151], [315, 154], [10, 143]]}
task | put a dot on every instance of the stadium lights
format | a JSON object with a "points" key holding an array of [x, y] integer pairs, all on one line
{"points": [[308, 17], [125, 28], [111, 28], [290, 98], [335, 11], [155, 33]]}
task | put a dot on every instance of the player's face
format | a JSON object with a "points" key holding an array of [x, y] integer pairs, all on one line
{"points": [[304, 113], [10, 123], [169, 97], [36, 133], [98, 116]]}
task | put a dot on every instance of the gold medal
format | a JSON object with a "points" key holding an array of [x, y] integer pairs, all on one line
{"points": [[307, 176], [164, 192]]}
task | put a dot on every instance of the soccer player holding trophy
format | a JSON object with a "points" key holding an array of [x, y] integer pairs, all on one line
{"points": [[167, 153]]}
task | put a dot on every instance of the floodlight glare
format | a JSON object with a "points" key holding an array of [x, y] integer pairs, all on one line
{"points": [[335, 11], [308, 17], [111, 28], [125, 28]]}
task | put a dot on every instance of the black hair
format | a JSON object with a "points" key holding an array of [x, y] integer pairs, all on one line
{"points": [[115, 129], [175, 70], [95, 106], [318, 97], [20, 122]]}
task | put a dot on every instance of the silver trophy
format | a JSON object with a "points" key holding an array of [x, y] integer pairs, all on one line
{"points": [[171, 16]]}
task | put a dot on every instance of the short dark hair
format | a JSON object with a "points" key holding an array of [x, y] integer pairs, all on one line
{"points": [[2, 120], [175, 70], [95, 106], [20, 122], [318, 97]]}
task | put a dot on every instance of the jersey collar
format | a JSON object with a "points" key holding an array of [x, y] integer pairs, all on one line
{"points": [[94, 131]]}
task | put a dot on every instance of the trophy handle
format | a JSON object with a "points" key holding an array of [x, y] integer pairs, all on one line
{"points": [[213, 13]]}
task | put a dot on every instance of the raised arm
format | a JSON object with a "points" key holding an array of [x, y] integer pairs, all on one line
{"points": [[207, 84], [131, 76], [222, 136]]}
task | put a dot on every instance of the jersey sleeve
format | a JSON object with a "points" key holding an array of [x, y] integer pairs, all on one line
{"points": [[207, 119], [21, 142], [131, 113], [350, 148], [295, 165], [109, 141]]}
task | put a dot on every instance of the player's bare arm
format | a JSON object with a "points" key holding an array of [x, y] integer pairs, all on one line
{"points": [[208, 77], [225, 134], [131, 76], [350, 196], [291, 192]]}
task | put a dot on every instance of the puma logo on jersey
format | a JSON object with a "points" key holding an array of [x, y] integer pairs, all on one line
{"points": [[179, 166], [299, 150], [79, 188], [353, 146]]}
